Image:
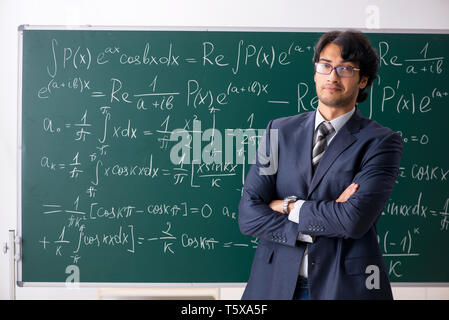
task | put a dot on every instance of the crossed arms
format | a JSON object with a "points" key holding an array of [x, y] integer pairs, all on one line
{"points": [[351, 215], [277, 205]]}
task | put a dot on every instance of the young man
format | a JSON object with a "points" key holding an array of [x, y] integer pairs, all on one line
{"points": [[316, 216]]}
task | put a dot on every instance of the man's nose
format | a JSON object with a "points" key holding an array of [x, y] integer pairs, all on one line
{"points": [[333, 76]]}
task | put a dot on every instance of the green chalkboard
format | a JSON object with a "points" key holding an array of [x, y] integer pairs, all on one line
{"points": [[108, 197]]}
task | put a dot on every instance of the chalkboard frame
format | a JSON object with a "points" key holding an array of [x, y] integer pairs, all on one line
{"points": [[24, 27]]}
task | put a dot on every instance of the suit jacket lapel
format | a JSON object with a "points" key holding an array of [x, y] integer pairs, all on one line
{"points": [[304, 139], [339, 143]]}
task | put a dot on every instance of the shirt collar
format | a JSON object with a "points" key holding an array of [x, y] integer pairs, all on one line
{"points": [[337, 123]]}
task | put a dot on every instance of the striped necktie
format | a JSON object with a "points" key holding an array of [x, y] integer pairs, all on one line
{"points": [[320, 142]]}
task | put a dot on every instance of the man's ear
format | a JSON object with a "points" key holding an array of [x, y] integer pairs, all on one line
{"points": [[363, 82]]}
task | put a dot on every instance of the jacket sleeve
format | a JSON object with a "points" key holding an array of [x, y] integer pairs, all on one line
{"points": [[255, 216], [353, 218]]}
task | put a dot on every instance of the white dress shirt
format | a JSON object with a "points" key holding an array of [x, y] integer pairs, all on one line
{"points": [[337, 124]]}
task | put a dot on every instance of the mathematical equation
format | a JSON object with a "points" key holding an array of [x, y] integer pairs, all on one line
{"points": [[418, 209], [76, 235], [397, 248]]}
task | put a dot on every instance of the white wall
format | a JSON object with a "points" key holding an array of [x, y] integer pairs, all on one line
{"points": [[409, 14]]}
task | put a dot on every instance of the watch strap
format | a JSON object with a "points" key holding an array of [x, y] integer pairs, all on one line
{"points": [[287, 200]]}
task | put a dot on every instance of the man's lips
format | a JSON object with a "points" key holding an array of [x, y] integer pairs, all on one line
{"points": [[332, 88]]}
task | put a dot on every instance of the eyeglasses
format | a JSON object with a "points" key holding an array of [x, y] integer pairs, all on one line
{"points": [[342, 71]]}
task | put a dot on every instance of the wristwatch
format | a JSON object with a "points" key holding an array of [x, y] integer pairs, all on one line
{"points": [[287, 200]]}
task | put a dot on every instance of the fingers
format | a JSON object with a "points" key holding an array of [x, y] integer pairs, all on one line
{"points": [[349, 191], [277, 205]]}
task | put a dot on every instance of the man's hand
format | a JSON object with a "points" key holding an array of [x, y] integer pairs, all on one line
{"points": [[348, 192], [278, 205]]}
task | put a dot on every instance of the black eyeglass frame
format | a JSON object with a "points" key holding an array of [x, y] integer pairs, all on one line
{"points": [[337, 69]]}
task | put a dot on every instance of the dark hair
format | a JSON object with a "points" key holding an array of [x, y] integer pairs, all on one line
{"points": [[355, 47]]}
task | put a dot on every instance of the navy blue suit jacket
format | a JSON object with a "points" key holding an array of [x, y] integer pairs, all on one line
{"points": [[346, 237]]}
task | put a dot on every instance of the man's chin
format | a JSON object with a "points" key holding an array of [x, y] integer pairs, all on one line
{"points": [[335, 104]]}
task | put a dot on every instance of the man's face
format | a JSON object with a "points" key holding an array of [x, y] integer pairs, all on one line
{"points": [[335, 91]]}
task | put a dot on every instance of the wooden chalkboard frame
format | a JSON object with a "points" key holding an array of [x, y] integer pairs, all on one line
{"points": [[22, 28]]}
